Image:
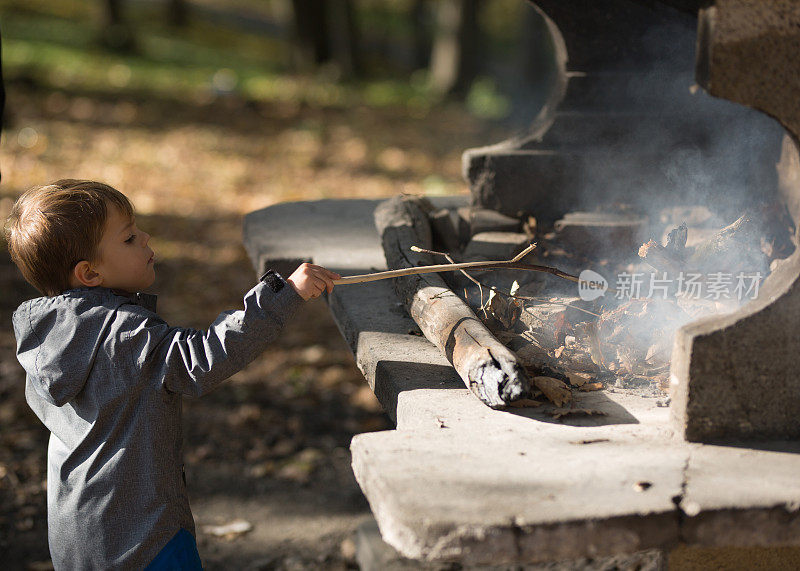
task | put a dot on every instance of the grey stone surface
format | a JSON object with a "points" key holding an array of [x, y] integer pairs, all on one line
{"points": [[374, 554], [479, 220], [736, 377], [332, 231], [457, 481], [495, 246]]}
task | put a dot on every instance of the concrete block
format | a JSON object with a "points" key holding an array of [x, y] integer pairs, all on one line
{"points": [[495, 245], [473, 220], [374, 554], [603, 234], [483, 497], [735, 495], [734, 377]]}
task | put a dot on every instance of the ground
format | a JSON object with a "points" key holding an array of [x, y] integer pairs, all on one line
{"points": [[271, 446]]}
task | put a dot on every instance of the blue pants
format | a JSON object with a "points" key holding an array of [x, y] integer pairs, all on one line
{"points": [[179, 554]]}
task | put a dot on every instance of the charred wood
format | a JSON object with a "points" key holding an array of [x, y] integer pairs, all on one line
{"points": [[490, 370]]}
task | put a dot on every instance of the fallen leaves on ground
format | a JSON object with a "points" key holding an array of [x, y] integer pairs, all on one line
{"points": [[229, 530], [555, 390], [559, 413]]}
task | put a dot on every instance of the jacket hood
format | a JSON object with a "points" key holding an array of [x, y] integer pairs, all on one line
{"points": [[58, 339]]}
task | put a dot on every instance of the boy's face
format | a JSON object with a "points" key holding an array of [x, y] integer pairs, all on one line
{"points": [[126, 261]]}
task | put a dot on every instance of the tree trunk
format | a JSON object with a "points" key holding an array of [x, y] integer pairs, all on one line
{"points": [[311, 43], [420, 20], [117, 33], [2, 89], [343, 37], [177, 13], [455, 47]]}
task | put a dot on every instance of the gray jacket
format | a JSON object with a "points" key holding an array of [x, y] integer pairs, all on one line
{"points": [[106, 376]]}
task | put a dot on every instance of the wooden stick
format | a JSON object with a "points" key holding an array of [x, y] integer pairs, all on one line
{"points": [[512, 264], [489, 369]]}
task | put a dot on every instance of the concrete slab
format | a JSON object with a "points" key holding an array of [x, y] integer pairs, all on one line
{"points": [[457, 481], [331, 232], [537, 498]]}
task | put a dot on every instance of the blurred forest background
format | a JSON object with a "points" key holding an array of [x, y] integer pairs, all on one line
{"points": [[204, 110]]}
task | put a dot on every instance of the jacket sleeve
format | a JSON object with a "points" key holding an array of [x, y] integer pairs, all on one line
{"points": [[194, 362]]}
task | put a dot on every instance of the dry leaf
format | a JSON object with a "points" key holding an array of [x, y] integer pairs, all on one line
{"points": [[588, 387], [561, 326], [590, 330], [579, 379], [558, 413], [559, 351], [229, 530], [555, 390], [505, 310]]}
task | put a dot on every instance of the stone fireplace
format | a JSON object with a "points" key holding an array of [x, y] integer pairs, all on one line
{"points": [[458, 481], [625, 122]]}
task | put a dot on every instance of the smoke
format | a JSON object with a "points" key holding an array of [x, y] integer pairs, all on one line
{"points": [[645, 140]]}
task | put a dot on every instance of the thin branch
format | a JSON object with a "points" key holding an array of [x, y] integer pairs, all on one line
{"points": [[497, 289], [513, 263], [466, 275]]}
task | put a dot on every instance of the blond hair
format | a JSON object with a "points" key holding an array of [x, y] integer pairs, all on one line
{"points": [[53, 227]]}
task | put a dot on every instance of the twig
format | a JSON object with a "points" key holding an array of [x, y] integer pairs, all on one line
{"points": [[495, 288], [465, 274], [513, 263], [564, 303]]}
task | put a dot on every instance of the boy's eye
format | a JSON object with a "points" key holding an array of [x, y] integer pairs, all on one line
{"points": [[130, 239]]}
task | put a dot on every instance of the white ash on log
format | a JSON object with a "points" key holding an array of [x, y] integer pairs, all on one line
{"points": [[488, 368]]}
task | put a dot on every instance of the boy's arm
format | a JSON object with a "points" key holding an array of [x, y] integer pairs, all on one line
{"points": [[193, 362]]}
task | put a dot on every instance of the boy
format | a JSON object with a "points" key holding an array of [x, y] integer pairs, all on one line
{"points": [[106, 375]]}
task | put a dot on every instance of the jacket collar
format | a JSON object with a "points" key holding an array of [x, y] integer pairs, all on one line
{"points": [[148, 301]]}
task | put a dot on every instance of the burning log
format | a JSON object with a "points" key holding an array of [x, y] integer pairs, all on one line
{"points": [[488, 368], [736, 247], [659, 257]]}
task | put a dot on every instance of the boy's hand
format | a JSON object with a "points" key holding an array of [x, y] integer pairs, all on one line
{"points": [[310, 280]]}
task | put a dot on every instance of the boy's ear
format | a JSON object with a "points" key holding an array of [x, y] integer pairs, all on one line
{"points": [[85, 275]]}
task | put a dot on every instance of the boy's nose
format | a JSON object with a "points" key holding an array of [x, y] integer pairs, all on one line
{"points": [[146, 237]]}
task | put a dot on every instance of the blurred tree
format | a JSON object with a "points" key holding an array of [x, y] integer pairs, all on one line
{"points": [[116, 33], [177, 13], [324, 33], [421, 24], [454, 56], [310, 34], [343, 37], [2, 89]]}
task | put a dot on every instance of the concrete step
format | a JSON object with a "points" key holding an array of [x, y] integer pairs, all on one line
{"points": [[547, 183], [652, 130], [629, 91]]}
